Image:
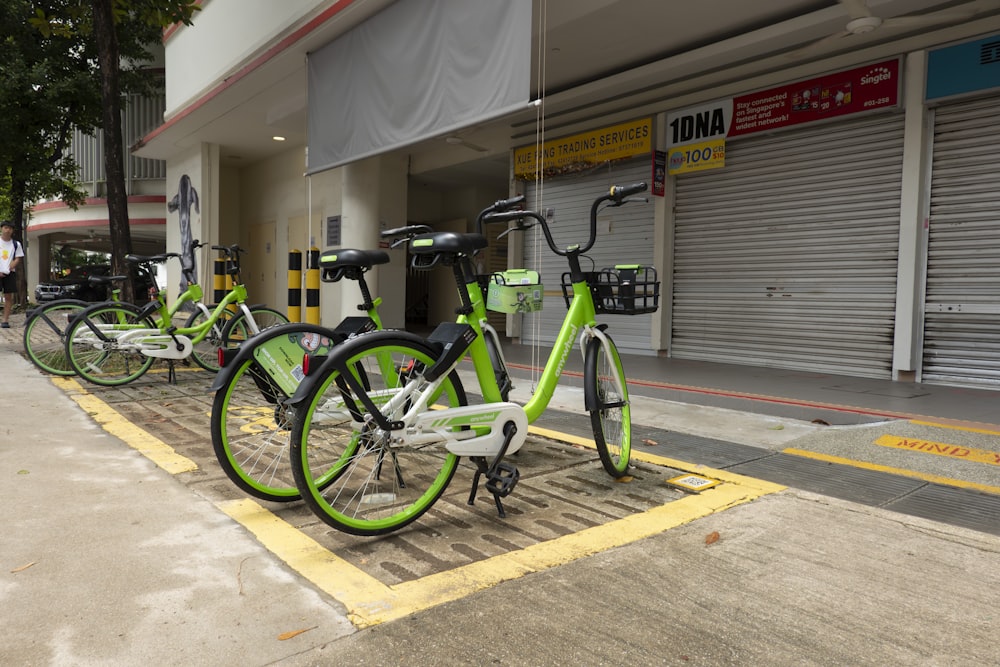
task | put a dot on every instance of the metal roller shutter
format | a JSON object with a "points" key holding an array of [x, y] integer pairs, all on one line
{"points": [[787, 257], [962, 301], [625, 235]]}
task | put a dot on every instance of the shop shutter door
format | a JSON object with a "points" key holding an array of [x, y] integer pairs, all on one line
{"points": [[787, 256], [962, 302], [625, 235]]}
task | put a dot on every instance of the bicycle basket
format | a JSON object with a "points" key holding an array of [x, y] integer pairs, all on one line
{"points": [[515, 291], [626, 289]]}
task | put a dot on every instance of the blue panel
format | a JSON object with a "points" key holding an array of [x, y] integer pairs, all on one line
{"points": [[964, 68]]}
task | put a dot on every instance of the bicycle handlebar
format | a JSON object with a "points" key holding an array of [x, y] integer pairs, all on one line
{"points": [[617, 195], [499, 206], [229, 250]]}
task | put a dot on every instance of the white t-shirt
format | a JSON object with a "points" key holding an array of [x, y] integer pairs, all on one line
{"points": [[7, 254]]}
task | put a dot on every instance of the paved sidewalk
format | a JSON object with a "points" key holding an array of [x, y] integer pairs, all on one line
{"points": [[107, 559]]}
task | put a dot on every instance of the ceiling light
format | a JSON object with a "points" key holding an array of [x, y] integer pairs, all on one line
{"points": [[278, 138]]}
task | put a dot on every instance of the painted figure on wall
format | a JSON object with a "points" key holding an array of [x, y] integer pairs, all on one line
{"points": [[182, 202]]}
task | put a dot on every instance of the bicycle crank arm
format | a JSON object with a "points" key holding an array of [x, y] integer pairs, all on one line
{"points": [[448, 424]]}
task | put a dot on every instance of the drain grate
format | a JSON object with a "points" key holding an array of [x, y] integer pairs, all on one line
{"points": [[959, 507], [831, 479]]}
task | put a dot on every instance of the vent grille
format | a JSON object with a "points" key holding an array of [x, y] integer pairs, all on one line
{"points": [[989, 53]]}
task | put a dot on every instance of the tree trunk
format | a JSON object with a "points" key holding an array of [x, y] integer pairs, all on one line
{"points": [[118, 222]]}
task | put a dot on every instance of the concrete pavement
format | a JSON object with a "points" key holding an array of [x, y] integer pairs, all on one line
{"points": [[106, 558]]}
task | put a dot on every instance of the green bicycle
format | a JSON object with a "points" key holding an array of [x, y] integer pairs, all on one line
{"points": [[251, 418], [46, 326], [113, 344], [409, 418]]}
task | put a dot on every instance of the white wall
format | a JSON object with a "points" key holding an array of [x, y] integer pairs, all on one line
{"points": [[224, 36]]}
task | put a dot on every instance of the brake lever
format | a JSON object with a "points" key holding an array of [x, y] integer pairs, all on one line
{"points": [[627, 200], [519, 228]]}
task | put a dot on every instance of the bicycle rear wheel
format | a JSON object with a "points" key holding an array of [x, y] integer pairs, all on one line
{"points": [[45, 335], [238, 329], [251, 419], [206, 352], [348, 470], [94, 351], [611, 417]]}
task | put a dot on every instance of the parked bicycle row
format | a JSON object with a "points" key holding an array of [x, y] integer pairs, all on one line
{"points": [[364, 424], [115, 342]]}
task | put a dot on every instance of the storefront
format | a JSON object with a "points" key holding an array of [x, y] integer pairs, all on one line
{"points": [[962, 300], [786, 224], [576, 171]]}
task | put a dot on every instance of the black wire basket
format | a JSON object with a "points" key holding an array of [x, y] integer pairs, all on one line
{"points": [[626, 289]]}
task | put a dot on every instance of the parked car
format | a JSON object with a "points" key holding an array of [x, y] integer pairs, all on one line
{"points": [[76, 285]]}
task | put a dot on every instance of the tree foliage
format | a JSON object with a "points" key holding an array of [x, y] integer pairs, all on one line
{"points": [[66, 64]]}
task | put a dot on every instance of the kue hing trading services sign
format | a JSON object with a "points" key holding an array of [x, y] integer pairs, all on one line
{"points": [[580, 152], [696, 136]]}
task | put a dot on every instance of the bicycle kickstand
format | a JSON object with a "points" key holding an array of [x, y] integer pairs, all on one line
{"points": [[501, 478], [171, 372]]}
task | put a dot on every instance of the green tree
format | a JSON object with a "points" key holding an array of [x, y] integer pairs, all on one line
{"points": [[48, 87], [115, 35]]}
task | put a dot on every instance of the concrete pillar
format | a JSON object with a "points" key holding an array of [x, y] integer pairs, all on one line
{"points": [[359, 226]]}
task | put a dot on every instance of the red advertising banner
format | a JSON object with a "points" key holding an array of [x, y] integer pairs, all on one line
{"points": [[860, 89]]}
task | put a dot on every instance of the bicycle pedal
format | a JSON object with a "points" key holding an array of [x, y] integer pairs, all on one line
{"points": [[501, 479]]}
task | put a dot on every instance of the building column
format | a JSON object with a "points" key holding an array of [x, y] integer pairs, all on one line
{"points": [[360, 222], [913, 213]]}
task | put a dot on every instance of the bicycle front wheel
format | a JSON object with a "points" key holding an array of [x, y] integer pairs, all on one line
{"points": [[94, 350], [239, 329], [611, 417], [251, 418], [45, 335], [349, 471]]}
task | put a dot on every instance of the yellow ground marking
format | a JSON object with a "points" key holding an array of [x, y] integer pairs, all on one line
{"points": [[940, 449], [370, 602], [114, 423], [955, 427], [934, 479]]}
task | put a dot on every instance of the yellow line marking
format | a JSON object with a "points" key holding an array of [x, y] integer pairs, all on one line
{"points": [[665, 462], [562, 437], [370, 602], [955, 427], [114, 423], [940, 449], [934, 479]]}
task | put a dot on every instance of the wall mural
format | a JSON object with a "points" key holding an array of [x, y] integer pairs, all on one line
{"points": [[182, 203]]}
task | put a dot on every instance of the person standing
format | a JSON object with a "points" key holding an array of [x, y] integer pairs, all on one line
{"points": [[11, 253]]}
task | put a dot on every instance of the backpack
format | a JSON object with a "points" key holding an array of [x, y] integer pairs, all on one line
{"points": [[17, 244]]}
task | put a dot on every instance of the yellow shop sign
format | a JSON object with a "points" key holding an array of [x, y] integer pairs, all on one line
{"points": [[583, 151]]}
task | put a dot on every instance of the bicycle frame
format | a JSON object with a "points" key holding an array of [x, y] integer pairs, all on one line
{"points": [[579, 323]]}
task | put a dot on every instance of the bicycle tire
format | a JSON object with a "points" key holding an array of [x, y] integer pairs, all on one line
{"points": [[237, 330], [206, 352], [251, 422], [611, 418], [99, 359], [45, 335], [339, 464]]}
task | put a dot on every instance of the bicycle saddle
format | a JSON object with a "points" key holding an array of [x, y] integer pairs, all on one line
{"points": [[447, 242], [350, 262]]}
